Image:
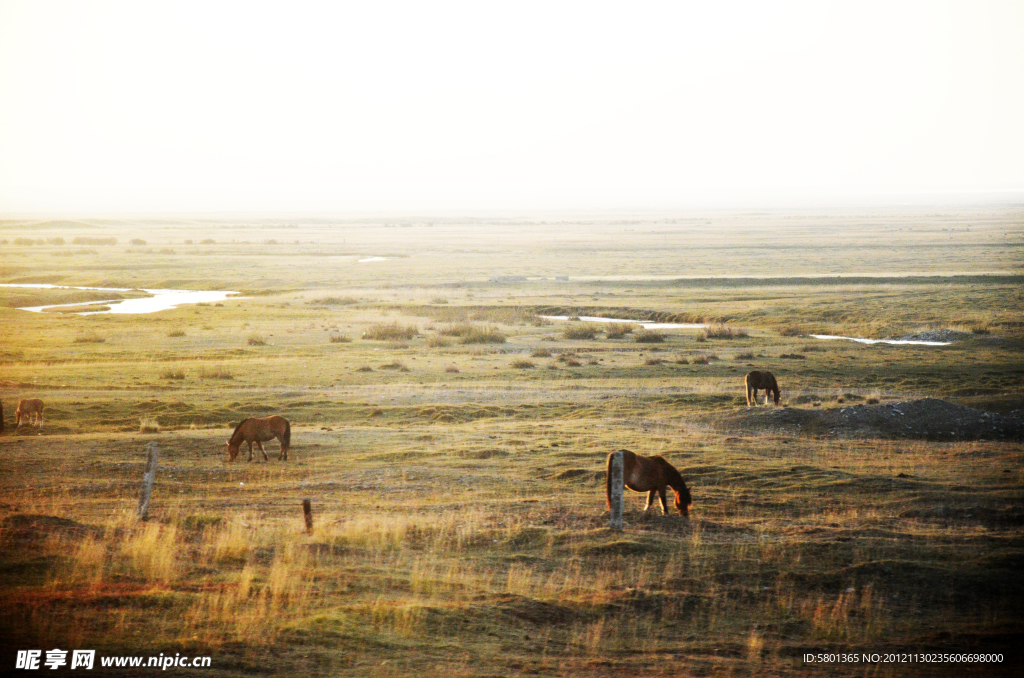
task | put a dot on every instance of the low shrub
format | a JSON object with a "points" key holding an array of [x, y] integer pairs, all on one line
{"points": [[215, 372], [746, 355], [256, 340], [395, 365], [452, 369], [172, 373], [86, 240], [148, 425], [540, 353], [435, 341], [720, 331], [333, 301], [580, 331], [483, 335], [89, 338], [339, 338], [653, 361], [522, 364], [174, 334], [648, 337], [789, 331], [618, 330], [390, 332]]}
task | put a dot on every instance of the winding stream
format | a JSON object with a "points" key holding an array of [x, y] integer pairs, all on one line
{"points": [[161, 299]]}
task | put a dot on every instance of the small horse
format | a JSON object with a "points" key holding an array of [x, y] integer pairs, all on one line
{"points": [[27, 406], [259, 430], [761, 380], [651, 475]]}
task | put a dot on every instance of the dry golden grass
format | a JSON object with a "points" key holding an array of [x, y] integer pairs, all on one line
{"points": [[460, 526]]}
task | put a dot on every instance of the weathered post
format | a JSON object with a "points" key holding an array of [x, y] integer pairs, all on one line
{"points": [[616, 480], [307, 510], [147, 482]]}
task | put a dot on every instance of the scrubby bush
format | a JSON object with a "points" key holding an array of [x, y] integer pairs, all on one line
{"points": [[522, 364], [172, 373], [580, 331], [395, 365], [89, 338], [720, 331], [390, 332], [339, 338], [176, 333], [483, 335], [648, 337], [216, 372], [618, 330], [746, 355], [540, 353], [256, 340], [86, 240]]}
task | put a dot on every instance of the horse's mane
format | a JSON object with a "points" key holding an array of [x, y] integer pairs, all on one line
{"points": [[672, 475], [235, 432]]}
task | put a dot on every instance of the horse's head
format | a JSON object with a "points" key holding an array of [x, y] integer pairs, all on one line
{"points": [[233, 451], [683, 500], [775, 396]]}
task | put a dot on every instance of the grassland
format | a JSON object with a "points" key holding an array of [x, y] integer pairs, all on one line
{"points": [[460, 526]]}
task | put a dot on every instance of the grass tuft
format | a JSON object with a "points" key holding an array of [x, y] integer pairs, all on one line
{"points": [[390, 332], [89, 338], [648, 337], [584, 331]]}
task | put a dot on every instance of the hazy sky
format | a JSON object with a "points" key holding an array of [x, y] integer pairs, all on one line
{"points": [[432, 106]]}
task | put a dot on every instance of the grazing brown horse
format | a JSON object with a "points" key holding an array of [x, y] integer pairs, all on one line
{"points": [[761, 380], [259, 430], [27, 406], [651, 475]]}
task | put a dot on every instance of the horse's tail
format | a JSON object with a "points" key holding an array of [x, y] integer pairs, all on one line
{"points": [[1, 417], [286, 439]]}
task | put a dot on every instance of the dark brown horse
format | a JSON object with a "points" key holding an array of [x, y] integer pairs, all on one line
{"points": [[26, 407], [761, 381], [651, 475], [258, 430]]}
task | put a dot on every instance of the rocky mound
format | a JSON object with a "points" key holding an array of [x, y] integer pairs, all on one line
{"points": [[930, 419]]}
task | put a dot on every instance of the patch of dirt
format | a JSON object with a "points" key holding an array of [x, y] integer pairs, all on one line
{"points": [[929, 419]]}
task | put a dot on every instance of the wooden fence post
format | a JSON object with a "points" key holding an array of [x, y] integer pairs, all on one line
{"points": [[307, 510], [616, 489], [147, 482]]}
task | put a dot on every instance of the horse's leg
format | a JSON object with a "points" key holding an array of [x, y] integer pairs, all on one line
{"points": [[250, 450], [283, 456], [260, 446], [650, 500], [664, 505]]}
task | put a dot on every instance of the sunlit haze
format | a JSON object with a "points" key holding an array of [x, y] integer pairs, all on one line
{"points": [[384, 106]]}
